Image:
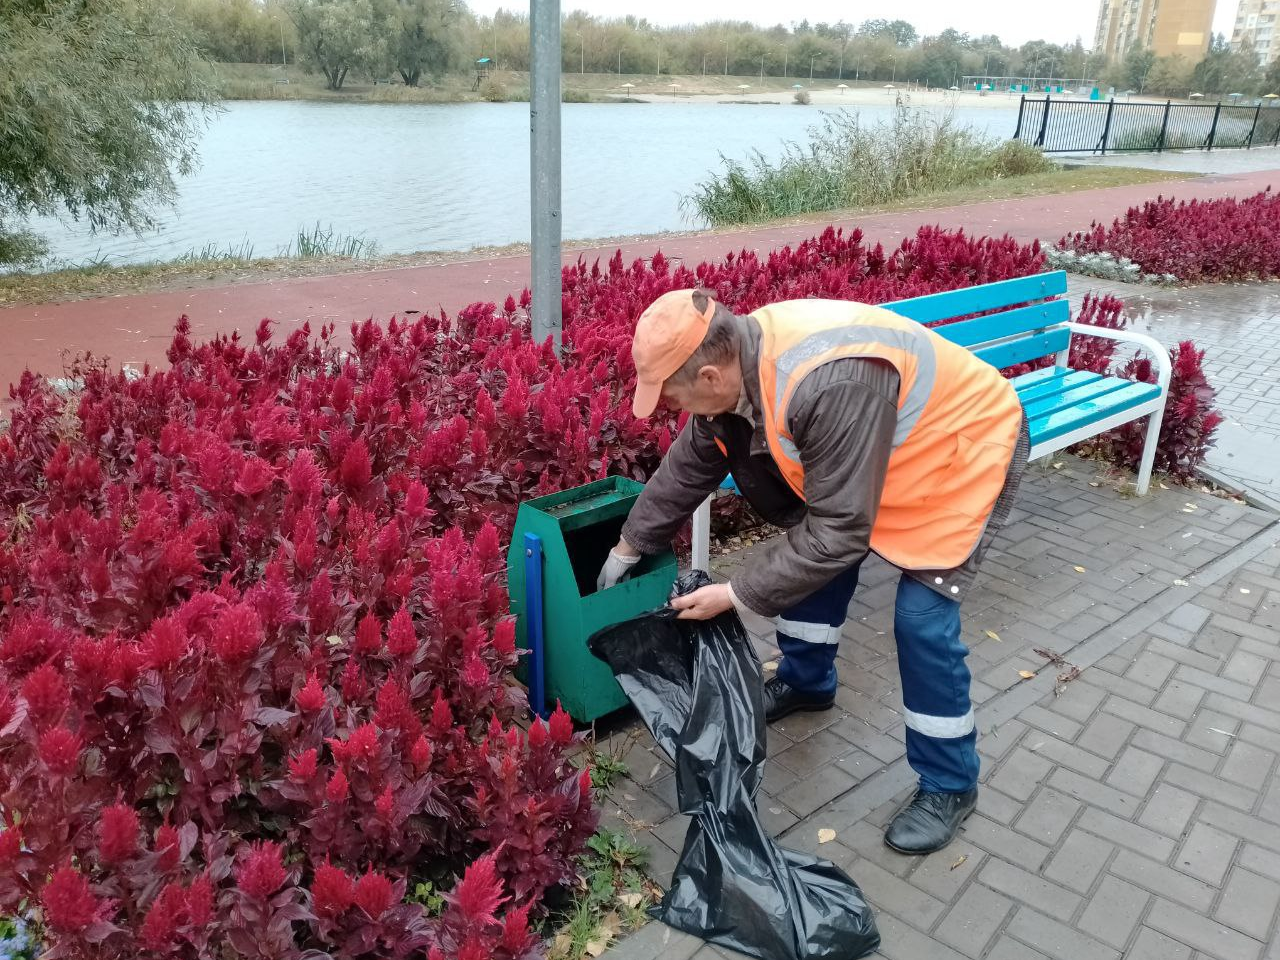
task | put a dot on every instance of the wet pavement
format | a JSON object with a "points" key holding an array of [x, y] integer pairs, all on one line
{"points": [[1238, 327]]}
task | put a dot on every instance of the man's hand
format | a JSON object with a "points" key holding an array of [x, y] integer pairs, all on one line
{"points": [[618, 565], [704, 603]]}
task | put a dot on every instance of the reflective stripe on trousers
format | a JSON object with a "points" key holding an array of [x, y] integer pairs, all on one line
{"points": [[941, 737]]}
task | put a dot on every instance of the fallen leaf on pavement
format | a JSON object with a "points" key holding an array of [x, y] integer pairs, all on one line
{"points": [[960, 860], [1069, 674], [1051, 655], [657, 767], [1026, 674], [994, 636], [826, 836], [1179, 583]]}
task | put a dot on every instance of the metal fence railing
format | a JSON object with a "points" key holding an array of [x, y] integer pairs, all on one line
{"points": [[1096, 126]]}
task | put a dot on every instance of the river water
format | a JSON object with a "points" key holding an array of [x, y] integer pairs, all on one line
{"points": [[449, 176]]}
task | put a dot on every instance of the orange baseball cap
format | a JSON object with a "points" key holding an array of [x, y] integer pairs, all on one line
{"points": [[667, 334]]}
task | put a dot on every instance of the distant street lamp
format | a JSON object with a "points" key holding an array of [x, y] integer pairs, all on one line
{"points": [[581, 55], [811, 59], [726, 57], [894, 76], [786, 54], [284, 60], [704, 64], [762, 56]]}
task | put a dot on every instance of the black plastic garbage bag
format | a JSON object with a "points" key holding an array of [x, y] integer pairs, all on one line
{"points": [[698, 688]]}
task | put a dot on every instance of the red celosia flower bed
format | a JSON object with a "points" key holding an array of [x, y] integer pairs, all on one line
{"points": [[252, 617], [1198, 241]]}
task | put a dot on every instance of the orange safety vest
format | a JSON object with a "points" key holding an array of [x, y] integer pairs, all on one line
{"points": [[958, 423]]}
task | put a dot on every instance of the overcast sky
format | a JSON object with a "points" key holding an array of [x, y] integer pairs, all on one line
{"points": [[1013, 22]]}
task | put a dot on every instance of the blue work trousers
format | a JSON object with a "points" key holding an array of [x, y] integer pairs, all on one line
{"points": [[941, 738]]}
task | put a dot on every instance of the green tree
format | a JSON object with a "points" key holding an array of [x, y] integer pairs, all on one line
{"points": [[899, 31], [1137, 64], [1272, 79], [1224, 70], [340, 35], [100, 105], [1170, 76], [425, 38]]}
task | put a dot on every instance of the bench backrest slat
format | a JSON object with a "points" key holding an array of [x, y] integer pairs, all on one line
{"points": [[1025, 348], [988, 296], [1002, 326]]}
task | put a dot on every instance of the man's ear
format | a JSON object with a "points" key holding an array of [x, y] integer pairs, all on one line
{"points": [[711, 374]]}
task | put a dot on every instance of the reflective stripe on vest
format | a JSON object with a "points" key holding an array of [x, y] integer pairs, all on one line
{"points": [[957, 426]]}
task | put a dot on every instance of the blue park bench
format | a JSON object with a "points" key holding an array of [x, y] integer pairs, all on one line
{"points": [[1063, 406]]}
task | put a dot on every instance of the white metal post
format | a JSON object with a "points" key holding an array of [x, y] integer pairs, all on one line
{"points": [[702, 536]]}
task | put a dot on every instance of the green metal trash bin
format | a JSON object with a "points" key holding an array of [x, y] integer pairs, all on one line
{"points": [[559, 544]]}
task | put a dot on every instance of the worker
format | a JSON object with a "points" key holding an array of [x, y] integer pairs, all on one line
{"points": [[856, 430]]}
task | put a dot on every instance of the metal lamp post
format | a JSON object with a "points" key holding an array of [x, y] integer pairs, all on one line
{"points": [[544, 168]]}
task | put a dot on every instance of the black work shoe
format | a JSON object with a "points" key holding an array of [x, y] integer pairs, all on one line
{"points": [[930, 821], [781, 700]]}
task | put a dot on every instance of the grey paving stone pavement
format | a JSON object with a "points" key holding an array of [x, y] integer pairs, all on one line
{"points": [[1131, 812]]}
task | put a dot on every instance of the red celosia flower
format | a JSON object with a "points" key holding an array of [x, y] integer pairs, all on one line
{"points": [[504, 637], [361, 745], [373, 894], [441, 715], [415, 500], [168, 845], [338, 789], [353, 682], [356, 470], [69, 905], [255, 477], [118, 833], [164, 917], [385, 804], [47, 697], [420, 753], [402, 641], [473, 948], [59, 749], [200, 902], [310, 697], [261, 872], [332, 891], [237, 634], [303, 767], [165, 644], [10, 845], [584, 784], [369, 634], [537, 734], [474, 672], [393, 710], [479, 893], [561, 726], [516, 938]]}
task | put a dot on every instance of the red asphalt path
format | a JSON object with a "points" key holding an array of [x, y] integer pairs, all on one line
{"points": [[137, 329]]}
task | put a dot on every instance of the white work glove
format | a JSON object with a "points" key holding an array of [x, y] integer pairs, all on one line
{"points": [[616, 569]]}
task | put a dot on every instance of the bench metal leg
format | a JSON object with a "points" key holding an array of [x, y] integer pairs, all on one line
{"points": [[1149, 450], [702, 536]]}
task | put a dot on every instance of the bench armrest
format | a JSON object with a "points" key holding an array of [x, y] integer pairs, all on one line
{"points": [[1164, 366]]}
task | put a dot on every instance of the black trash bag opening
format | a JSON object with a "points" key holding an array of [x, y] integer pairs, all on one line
{"points": [[698, 688]]}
